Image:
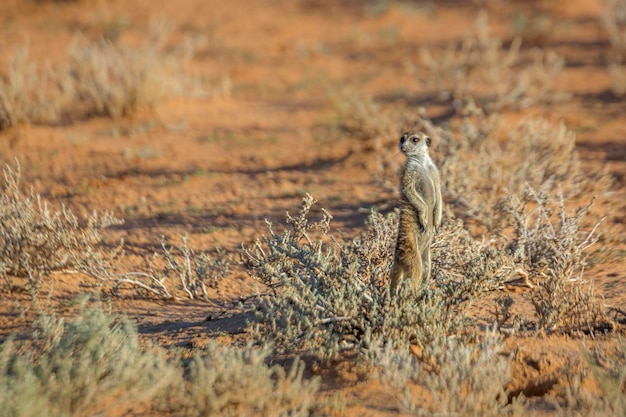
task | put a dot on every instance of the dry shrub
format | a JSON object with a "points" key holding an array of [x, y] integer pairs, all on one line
{"points": [[464, 379], [375, 127], [114, 80], [31, 92], [550, 251], [97, 78], [86, 366], [175, 271], [481, 161], [94, 362], [36, 240], [480, 70], [320, 297], [328, 295], [614, 20], [237, 382], [465, 267]]}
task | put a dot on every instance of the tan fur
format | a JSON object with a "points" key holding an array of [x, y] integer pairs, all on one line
{"points": [[420, 211]]}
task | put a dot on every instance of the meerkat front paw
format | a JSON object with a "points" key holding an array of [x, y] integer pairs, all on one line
{"points": [[421, 223]]}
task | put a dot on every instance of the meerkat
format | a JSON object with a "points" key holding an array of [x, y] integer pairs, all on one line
{"points": [[420, 211]]}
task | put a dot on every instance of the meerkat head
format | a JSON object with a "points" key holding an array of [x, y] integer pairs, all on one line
{"points": [[414, 144]]}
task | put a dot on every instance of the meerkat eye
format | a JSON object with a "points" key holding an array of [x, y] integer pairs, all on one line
{"points": [[416, 139]]}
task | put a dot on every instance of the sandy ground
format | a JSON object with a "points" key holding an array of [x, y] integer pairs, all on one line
{"points": [[214, 166]]}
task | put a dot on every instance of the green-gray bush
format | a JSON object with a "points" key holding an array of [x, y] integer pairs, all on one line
{"points": [[464, 379], [94, 362], [328, 295], [88, 364], [232, 382]]}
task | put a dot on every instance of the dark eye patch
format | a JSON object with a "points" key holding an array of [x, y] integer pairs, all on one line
{"points": [[416, 139]]}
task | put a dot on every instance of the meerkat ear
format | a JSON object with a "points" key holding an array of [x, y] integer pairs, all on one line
{"points": [[427, 139]]}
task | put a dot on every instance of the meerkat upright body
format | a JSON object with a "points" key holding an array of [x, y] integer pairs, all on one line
{"points": [[420, 211]]}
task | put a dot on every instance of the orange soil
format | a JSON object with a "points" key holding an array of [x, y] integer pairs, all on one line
{"points": [[216, 167]]}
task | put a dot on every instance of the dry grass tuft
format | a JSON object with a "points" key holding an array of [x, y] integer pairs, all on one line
{"points": [[481, 71], [614, 20], [237, 382], [481, 162], [36, 240], [550, 251], [176, 273], [98, 78]]}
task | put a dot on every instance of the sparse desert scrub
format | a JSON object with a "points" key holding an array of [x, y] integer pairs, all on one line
{"points": [[469, 378], [37, 240], [481, 161], [373, 126], [94, 362], [460, 378], [176, 272], [97, 78], [83, 366], [549, 248], [614, 20], [481, 71], [237, 382], [327, 295]]}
